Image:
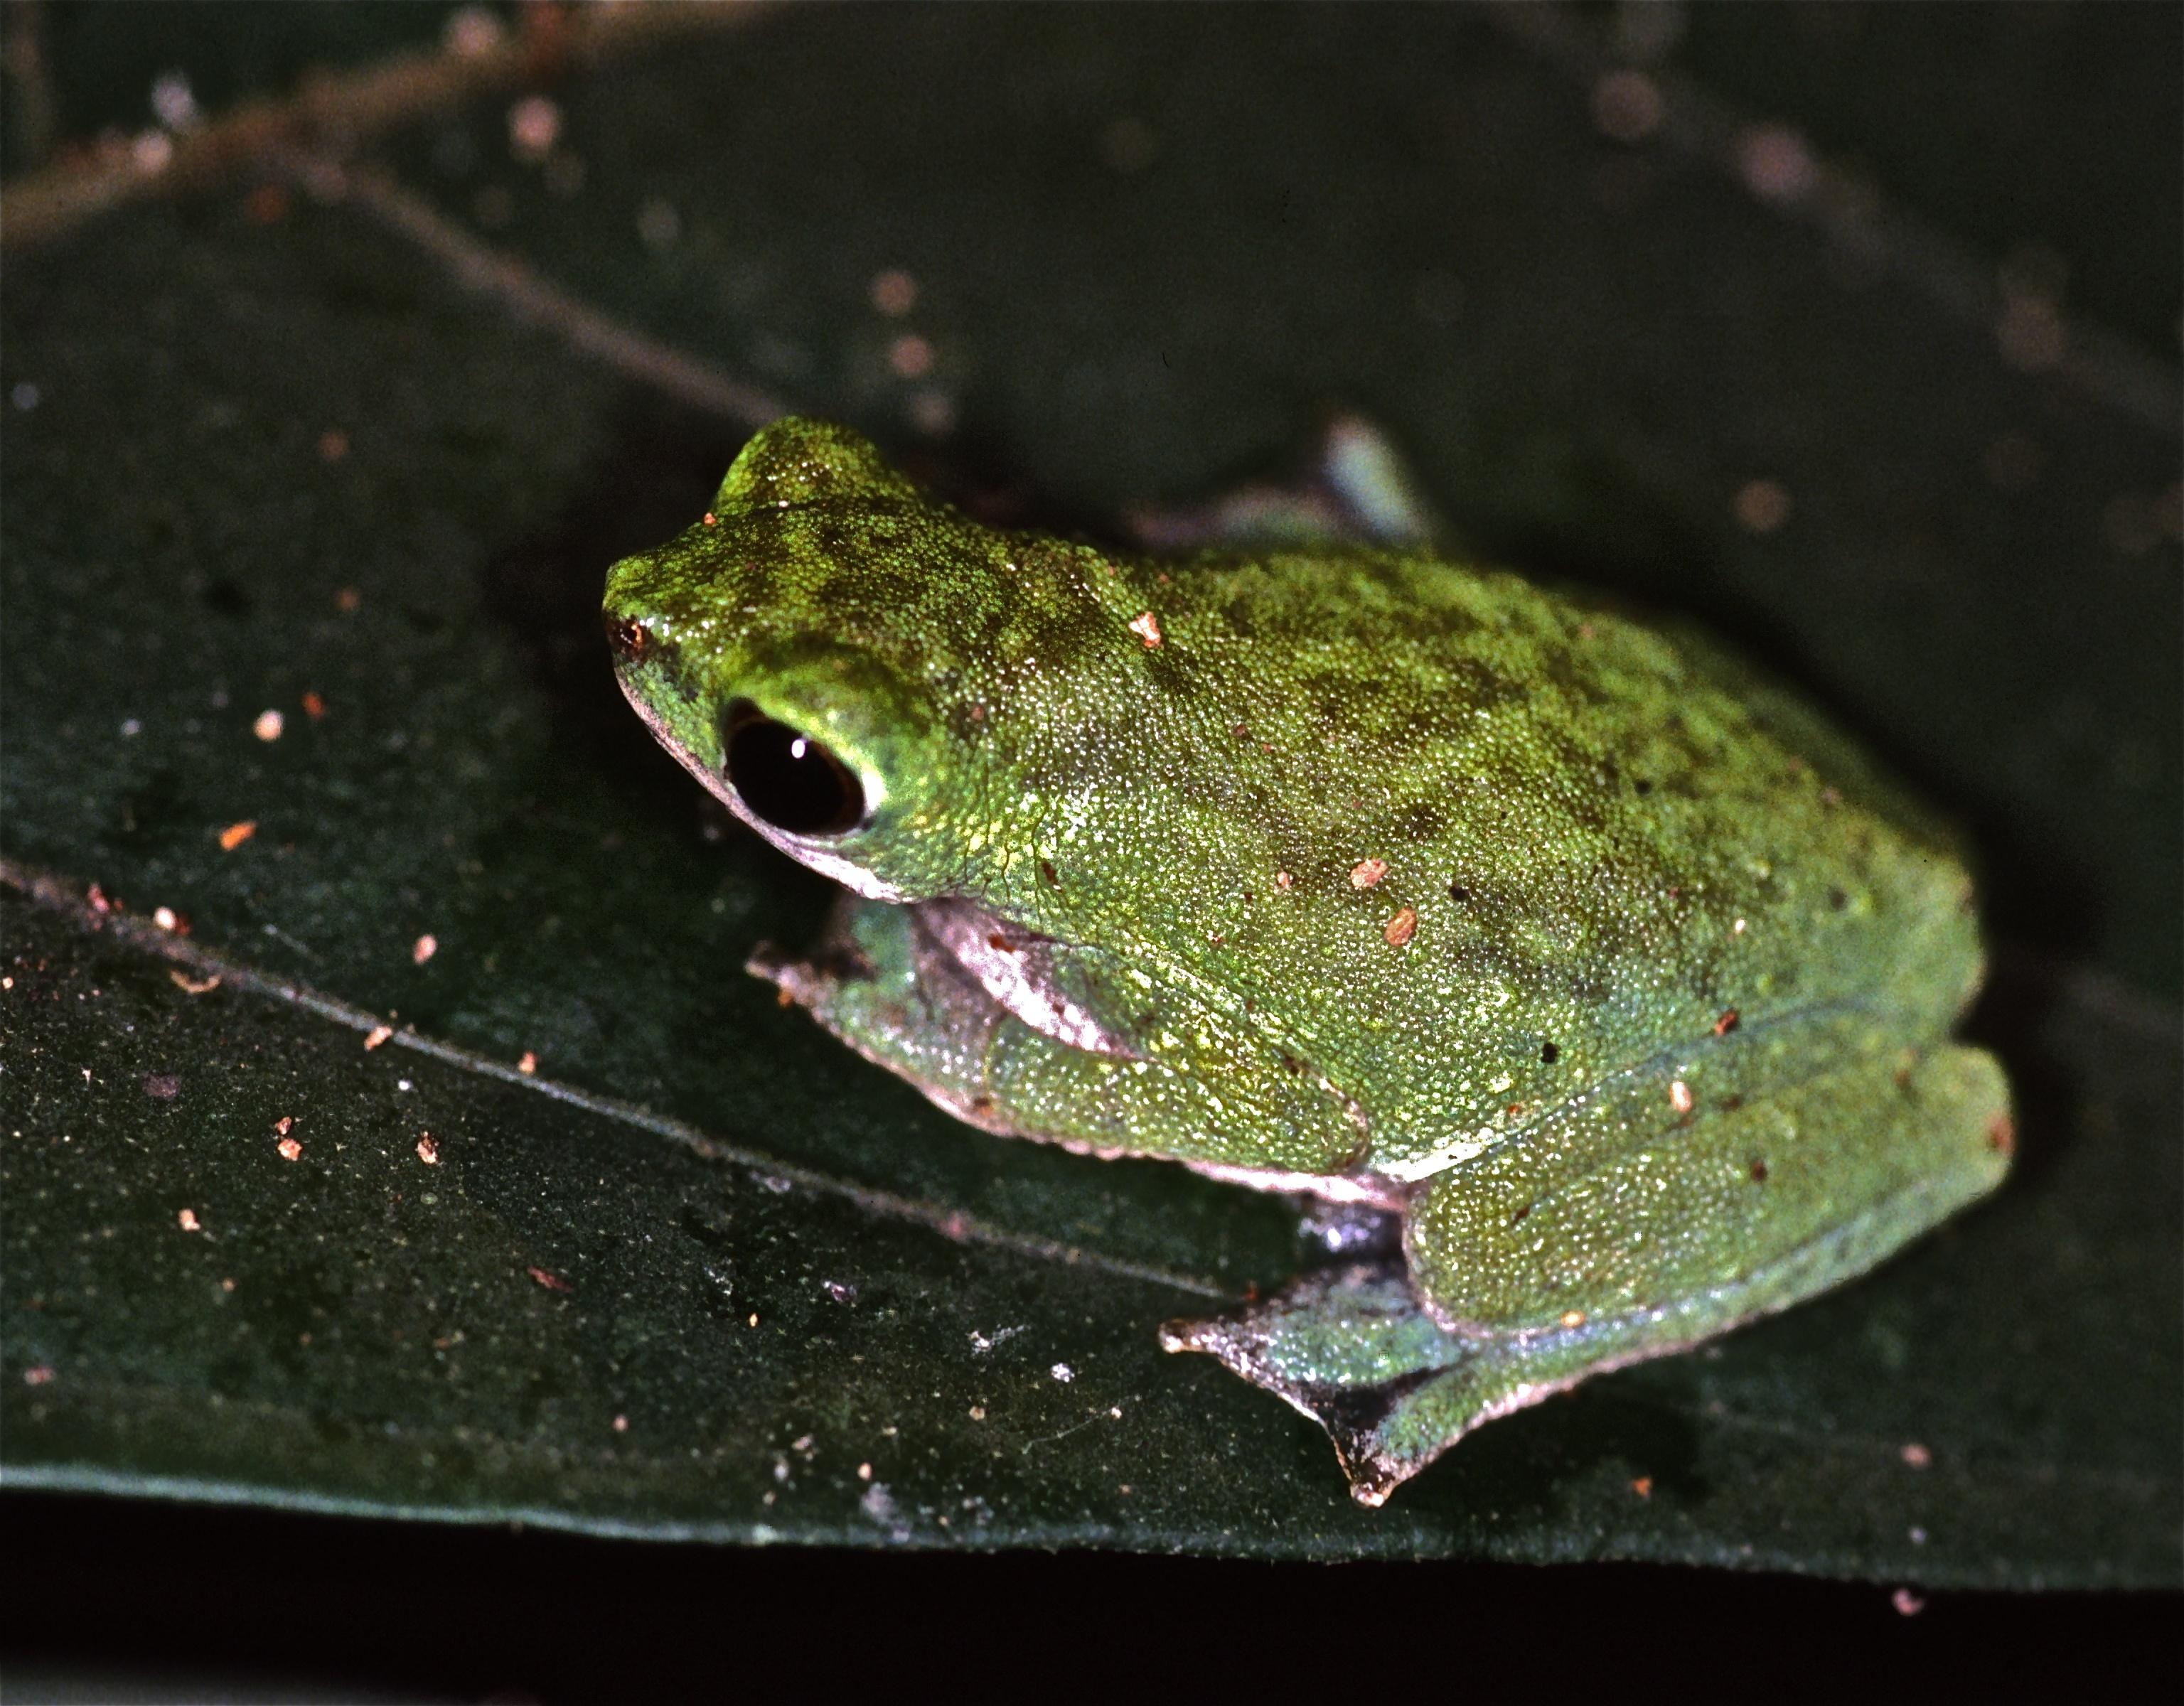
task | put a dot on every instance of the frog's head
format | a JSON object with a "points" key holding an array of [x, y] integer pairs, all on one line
{"points": [[821, 652]]}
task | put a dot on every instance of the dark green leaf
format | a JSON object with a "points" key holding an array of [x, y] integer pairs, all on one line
{"points": [[274, 456]]}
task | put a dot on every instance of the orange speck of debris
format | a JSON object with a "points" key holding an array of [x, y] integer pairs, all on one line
{"points": [[314, 706], [423, 948], [1572, 1318], [1643, 1486], [2001, 1135], [427, 1150], [193, 986], [1680, 1096], [528, 1064], [290, 1149], [621, 1424], [39, 1376], [1726, 1023], [1402, 927], [167, 918], [911, 356], [711, 518], [1916, 1456], [1284, 881], [348, 599], [1146, 627], [236, 834], [552, 1282], [893, 292], [378, 1034], [1761, 506], [1367, 872], [284, 1125], [269, 725], [187, 1220]]}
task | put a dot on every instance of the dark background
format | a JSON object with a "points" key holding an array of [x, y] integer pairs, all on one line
{"points": [[1150, 247]]}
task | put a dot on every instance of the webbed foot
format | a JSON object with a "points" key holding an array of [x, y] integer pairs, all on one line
{"points": [[1351, 1348]]}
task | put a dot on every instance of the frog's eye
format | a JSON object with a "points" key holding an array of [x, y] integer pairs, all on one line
{"points": [[788, 779]]}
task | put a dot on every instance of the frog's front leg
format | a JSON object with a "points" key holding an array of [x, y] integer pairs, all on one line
{"points": [[1562, 1256], [1031, 1038]]}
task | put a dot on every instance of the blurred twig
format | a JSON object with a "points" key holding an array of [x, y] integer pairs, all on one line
{"points": [[480, 267], [333, 113]]}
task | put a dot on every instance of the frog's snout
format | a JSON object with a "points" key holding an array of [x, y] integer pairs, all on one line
{"points": [[627, 637]]}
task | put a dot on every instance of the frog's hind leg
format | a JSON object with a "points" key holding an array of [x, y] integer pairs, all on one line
{"points": [[1352, 1348], [1550, 1261]]}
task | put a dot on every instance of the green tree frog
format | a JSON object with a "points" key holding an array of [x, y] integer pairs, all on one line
{"points": [[1610, 971]]}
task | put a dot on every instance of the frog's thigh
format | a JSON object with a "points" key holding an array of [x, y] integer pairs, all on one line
{"points": [[1531, 1270], [1734, 1210], [1198, 1091]]}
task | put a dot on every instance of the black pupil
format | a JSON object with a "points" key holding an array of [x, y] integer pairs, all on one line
{"points": [[788, 779]]}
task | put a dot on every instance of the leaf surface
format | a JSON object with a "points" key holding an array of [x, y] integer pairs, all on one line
{"points": [[698, 1272]]}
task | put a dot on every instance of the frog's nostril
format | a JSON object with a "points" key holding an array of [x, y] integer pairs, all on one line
{"points": [[628, 636]]}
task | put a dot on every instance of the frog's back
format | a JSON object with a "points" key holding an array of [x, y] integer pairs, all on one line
{"points": [[1471, 845]]}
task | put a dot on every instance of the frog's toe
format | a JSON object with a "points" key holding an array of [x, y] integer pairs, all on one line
{"points": [[1357, 489], [1352, 1349]]}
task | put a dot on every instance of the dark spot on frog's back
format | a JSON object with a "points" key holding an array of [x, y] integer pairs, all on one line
{"points": [[1420, 821], [1170, 673]]}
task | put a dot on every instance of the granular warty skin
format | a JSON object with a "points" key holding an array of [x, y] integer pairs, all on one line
{"points": [[1610, 967]]}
